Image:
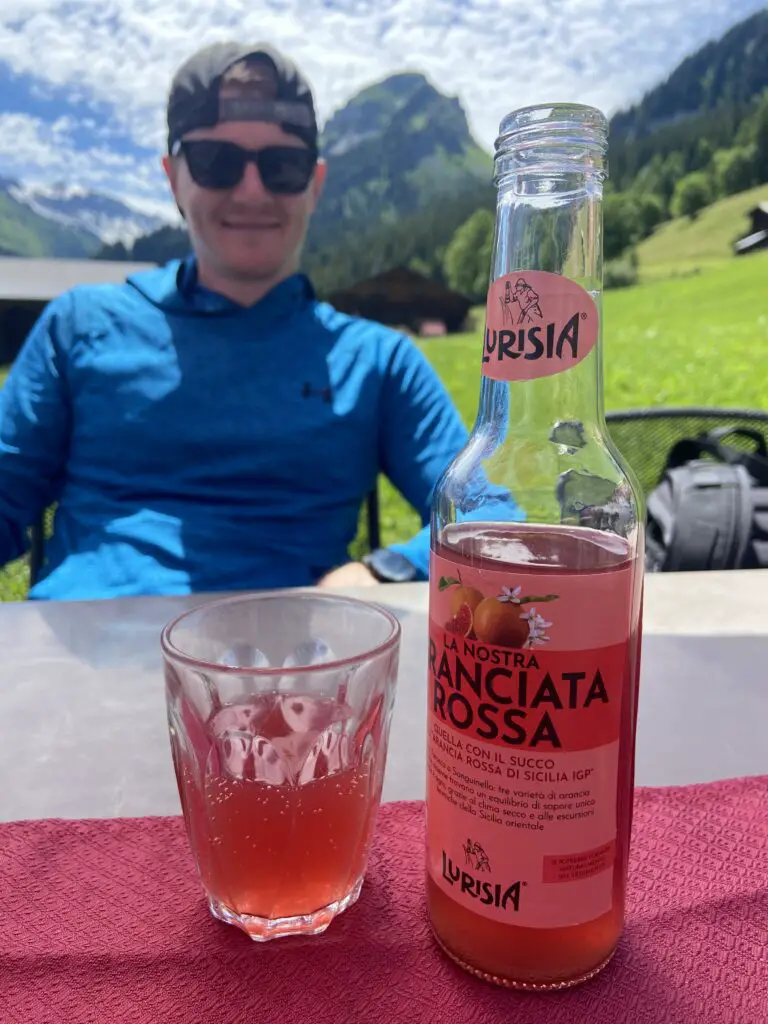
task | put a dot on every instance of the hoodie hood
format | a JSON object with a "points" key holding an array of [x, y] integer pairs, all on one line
{"points": [[162, 287], [174, 288]]}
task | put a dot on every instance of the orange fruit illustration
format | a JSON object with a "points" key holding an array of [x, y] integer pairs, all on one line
{"points": [[470, 596], [499, 622], [461, 623]]}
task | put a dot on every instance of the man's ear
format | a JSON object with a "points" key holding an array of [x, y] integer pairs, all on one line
{"points": [[318, 180], [169, 166], [171, 171]]}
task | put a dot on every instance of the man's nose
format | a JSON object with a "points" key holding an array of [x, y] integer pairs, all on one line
{"points": [[250, 185]]}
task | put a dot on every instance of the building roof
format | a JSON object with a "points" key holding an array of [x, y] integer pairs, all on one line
{"points": [[402, 297], [757, 240], [25, 279], [401, 281]]}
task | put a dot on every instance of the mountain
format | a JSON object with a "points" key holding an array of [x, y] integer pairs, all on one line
{"points": [[24, 232], [730, 71], [105, 216], [702, 106], [392, 148], [63, 220]]}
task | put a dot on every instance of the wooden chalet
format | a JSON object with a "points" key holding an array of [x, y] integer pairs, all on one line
{"points": [[404, 298]]}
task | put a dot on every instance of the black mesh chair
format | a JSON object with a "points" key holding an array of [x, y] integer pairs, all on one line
{"points": [[645, 436], [37, 536]]}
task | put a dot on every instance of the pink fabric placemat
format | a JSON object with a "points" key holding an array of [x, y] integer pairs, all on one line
{"points": [[104, 921]]}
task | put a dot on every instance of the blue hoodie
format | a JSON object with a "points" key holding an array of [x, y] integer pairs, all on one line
{"points": [[196, 445]]}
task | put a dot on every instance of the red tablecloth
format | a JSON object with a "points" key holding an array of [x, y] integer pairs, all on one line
{"points": [[103, 921]]}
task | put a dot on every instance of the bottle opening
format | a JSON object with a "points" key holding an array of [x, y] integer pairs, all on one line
{"points": [[567, 137]]}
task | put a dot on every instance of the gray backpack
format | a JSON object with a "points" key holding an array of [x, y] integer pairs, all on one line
{"points": [[710, 508]]}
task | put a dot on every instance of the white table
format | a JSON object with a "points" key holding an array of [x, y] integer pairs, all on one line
{"points": [[82, 713]]}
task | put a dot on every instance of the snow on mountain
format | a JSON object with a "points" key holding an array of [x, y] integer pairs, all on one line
{"points": [[109, 218]]}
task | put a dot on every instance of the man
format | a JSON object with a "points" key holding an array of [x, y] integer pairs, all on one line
{"points": [[210, 425]]}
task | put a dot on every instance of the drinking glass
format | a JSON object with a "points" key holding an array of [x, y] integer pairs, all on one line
{"points": [[279, 707]]}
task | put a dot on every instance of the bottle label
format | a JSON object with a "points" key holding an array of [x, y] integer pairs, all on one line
{"points": [[526, 680], [537, 324]]}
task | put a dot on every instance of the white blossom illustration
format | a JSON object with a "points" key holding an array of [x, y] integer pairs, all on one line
{"points": [[510, 595], [537, 628]]}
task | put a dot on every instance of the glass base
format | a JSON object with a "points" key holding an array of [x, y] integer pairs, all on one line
{"points": [[263, 929], [520, 984]]}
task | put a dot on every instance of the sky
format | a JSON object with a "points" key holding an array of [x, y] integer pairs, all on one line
{"points": [[83, 82]]}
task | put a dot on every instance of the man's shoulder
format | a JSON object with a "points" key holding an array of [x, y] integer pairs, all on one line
{"points": [[386, 340], [85, 306], [105, 294], [82, 298]]}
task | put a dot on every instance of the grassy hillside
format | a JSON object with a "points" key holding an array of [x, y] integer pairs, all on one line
{"points": [[694, 340], [682, 246], [25, 233]]}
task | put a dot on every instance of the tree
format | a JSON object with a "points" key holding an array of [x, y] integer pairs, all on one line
{"points": [[673, 170], [467, 262], [619, 220], [692, 193], [702, 155], [734, 169], [648, 213], [167, 243], [761, 142], [115, 251]]}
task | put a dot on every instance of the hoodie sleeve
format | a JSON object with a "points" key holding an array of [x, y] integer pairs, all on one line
{"points": [[421, 433], [35, 423]]}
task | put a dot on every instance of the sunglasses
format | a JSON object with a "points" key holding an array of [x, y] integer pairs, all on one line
{"points": [[284, 170]]}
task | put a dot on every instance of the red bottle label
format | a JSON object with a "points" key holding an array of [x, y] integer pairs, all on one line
{"points": [[526, 680], [537, 324]]}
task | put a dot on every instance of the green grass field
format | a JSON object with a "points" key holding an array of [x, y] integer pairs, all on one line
{"points": [[683, 245], [698, 338]]}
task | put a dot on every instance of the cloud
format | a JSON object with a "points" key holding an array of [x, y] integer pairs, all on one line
{"points": [[494, 54], [40, 153]]}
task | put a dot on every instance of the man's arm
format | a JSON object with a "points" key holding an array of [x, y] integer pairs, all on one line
{"points": [[421, 434], [35, 424]]}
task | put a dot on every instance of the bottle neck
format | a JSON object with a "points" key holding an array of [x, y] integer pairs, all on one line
{"points": [[547, 219]]}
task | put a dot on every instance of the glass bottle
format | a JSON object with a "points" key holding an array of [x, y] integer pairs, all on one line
{"points": [[536, 584]]}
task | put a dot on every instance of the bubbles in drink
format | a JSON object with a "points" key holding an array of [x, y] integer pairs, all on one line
{"points": [[281, 812]]}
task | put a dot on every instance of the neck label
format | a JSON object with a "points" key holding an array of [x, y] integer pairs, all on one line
{"points": [[537, 324]]}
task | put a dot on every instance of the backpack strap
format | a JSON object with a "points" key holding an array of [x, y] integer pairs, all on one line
{"points": [[752, 433], [700, 517], [757, 552], [755, 462]]}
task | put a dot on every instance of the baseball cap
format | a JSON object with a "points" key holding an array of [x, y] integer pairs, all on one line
{"points": [[194, 101]]}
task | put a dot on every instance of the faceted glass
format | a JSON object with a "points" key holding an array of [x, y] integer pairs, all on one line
{"points": [[279, 707]]}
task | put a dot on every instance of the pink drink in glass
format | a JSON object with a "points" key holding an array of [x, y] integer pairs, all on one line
{"points": [[280, 772]]}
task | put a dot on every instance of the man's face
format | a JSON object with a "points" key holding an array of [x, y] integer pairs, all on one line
{"points": [[245, 232]]}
